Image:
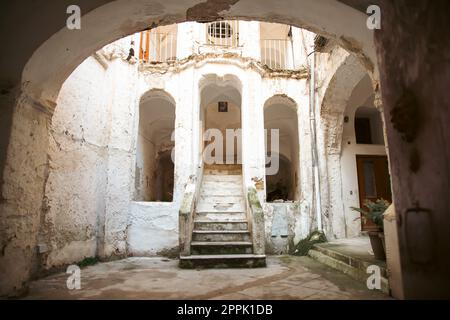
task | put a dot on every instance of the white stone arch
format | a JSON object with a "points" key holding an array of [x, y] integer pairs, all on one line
{"points": [[288, 123], [67, 49], [336, 92], [155, 137], [214, 87]]}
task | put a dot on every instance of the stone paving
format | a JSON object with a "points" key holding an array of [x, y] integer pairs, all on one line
{"points": [[286, 277]]}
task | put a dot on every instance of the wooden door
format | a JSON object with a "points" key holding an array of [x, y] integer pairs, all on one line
{"points": [[373, 182]]}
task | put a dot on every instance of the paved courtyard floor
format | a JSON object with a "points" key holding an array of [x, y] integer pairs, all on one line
{"points": [[286, 277]]}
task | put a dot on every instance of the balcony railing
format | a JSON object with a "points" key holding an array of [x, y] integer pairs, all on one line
{"points": [[277, 54], [158, 47]]}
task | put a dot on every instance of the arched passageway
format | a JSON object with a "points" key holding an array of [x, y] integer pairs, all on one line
{"points": [[282, 149], [220, 119], [418, 150], [154, 164]]}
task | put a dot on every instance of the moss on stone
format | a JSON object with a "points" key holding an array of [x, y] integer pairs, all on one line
{"points": [[171, 253], [89, 261], [253, 198]]}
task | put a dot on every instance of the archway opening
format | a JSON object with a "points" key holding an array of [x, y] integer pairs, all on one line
{"points": [[154, 175], [364, 163], [282, 149], [220, 120]]}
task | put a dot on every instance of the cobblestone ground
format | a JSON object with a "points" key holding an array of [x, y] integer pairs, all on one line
{"points": [[286, 277]]}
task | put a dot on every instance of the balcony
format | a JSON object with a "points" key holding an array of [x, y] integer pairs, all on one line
{"points": [[277, 54], [158, 47]]}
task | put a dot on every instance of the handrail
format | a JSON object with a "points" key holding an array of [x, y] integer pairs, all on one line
{"points": [[187, 211], [255, 216]]}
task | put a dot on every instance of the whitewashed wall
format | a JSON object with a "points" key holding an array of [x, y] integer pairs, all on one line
{"points": [[106, 100]]}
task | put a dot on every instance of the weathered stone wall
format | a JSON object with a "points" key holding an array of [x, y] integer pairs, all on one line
{"points": [[24, 177], [78, 160]]}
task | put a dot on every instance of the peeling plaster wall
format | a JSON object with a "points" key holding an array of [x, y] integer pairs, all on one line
{"points": [[78, 159], [24, 177]]}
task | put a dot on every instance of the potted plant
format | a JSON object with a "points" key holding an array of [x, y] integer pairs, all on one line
{"points": [[373, 211]]}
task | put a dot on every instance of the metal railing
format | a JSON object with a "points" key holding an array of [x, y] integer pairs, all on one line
{"points": [[276, 53], [222, 33], [158, 47]]}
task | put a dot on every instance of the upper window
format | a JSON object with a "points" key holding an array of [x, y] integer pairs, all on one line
{"points": [[220, 29], [368, 126]]}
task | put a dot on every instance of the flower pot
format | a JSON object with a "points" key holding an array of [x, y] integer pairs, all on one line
{"points": [[376, 241]]}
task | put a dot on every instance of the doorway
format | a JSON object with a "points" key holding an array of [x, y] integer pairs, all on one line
{"points": [[373, 182]]}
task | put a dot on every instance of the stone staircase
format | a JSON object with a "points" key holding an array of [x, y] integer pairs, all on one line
{"points": [[221, 237]]}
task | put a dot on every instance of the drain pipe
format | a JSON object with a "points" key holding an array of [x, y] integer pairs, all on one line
{"points": [[315, 158]]}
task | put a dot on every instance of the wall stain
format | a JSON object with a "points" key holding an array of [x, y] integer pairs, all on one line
{"points": [[209, 10]]}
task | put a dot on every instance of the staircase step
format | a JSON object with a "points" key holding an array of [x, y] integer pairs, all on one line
{"points": [[235, 192], [223, 261], [223, 178], [218, 225], [221, 198], [223, 167], [221, 247], [237, 172], [221, 216], [204, 206], [221, 235]]}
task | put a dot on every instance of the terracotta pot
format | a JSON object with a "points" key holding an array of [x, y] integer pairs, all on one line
{"points": [[377, 242]]}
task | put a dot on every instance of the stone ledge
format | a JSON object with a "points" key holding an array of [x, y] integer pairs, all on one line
{"points": [[352, 271]]}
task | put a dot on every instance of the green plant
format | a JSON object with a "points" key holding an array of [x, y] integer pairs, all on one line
{"points": [[303, 246], [89, 261], [373, 211]]}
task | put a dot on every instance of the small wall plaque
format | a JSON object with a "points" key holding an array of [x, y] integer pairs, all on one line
{"points": [[223, 106]]}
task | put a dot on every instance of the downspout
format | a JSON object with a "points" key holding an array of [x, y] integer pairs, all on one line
{"points": [[315, 158]]}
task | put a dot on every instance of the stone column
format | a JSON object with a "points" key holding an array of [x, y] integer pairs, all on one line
{"points": [[412, 48]]}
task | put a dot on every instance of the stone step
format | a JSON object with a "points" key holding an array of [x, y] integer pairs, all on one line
{"points": [[204, 193], [223, 261], [217, 225], [221, 247], [237, 172], [352, 266], [222, 178], [221, 216], [221, 198], [223, 167], [211, 185], [221, 235], [204, 206]]}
